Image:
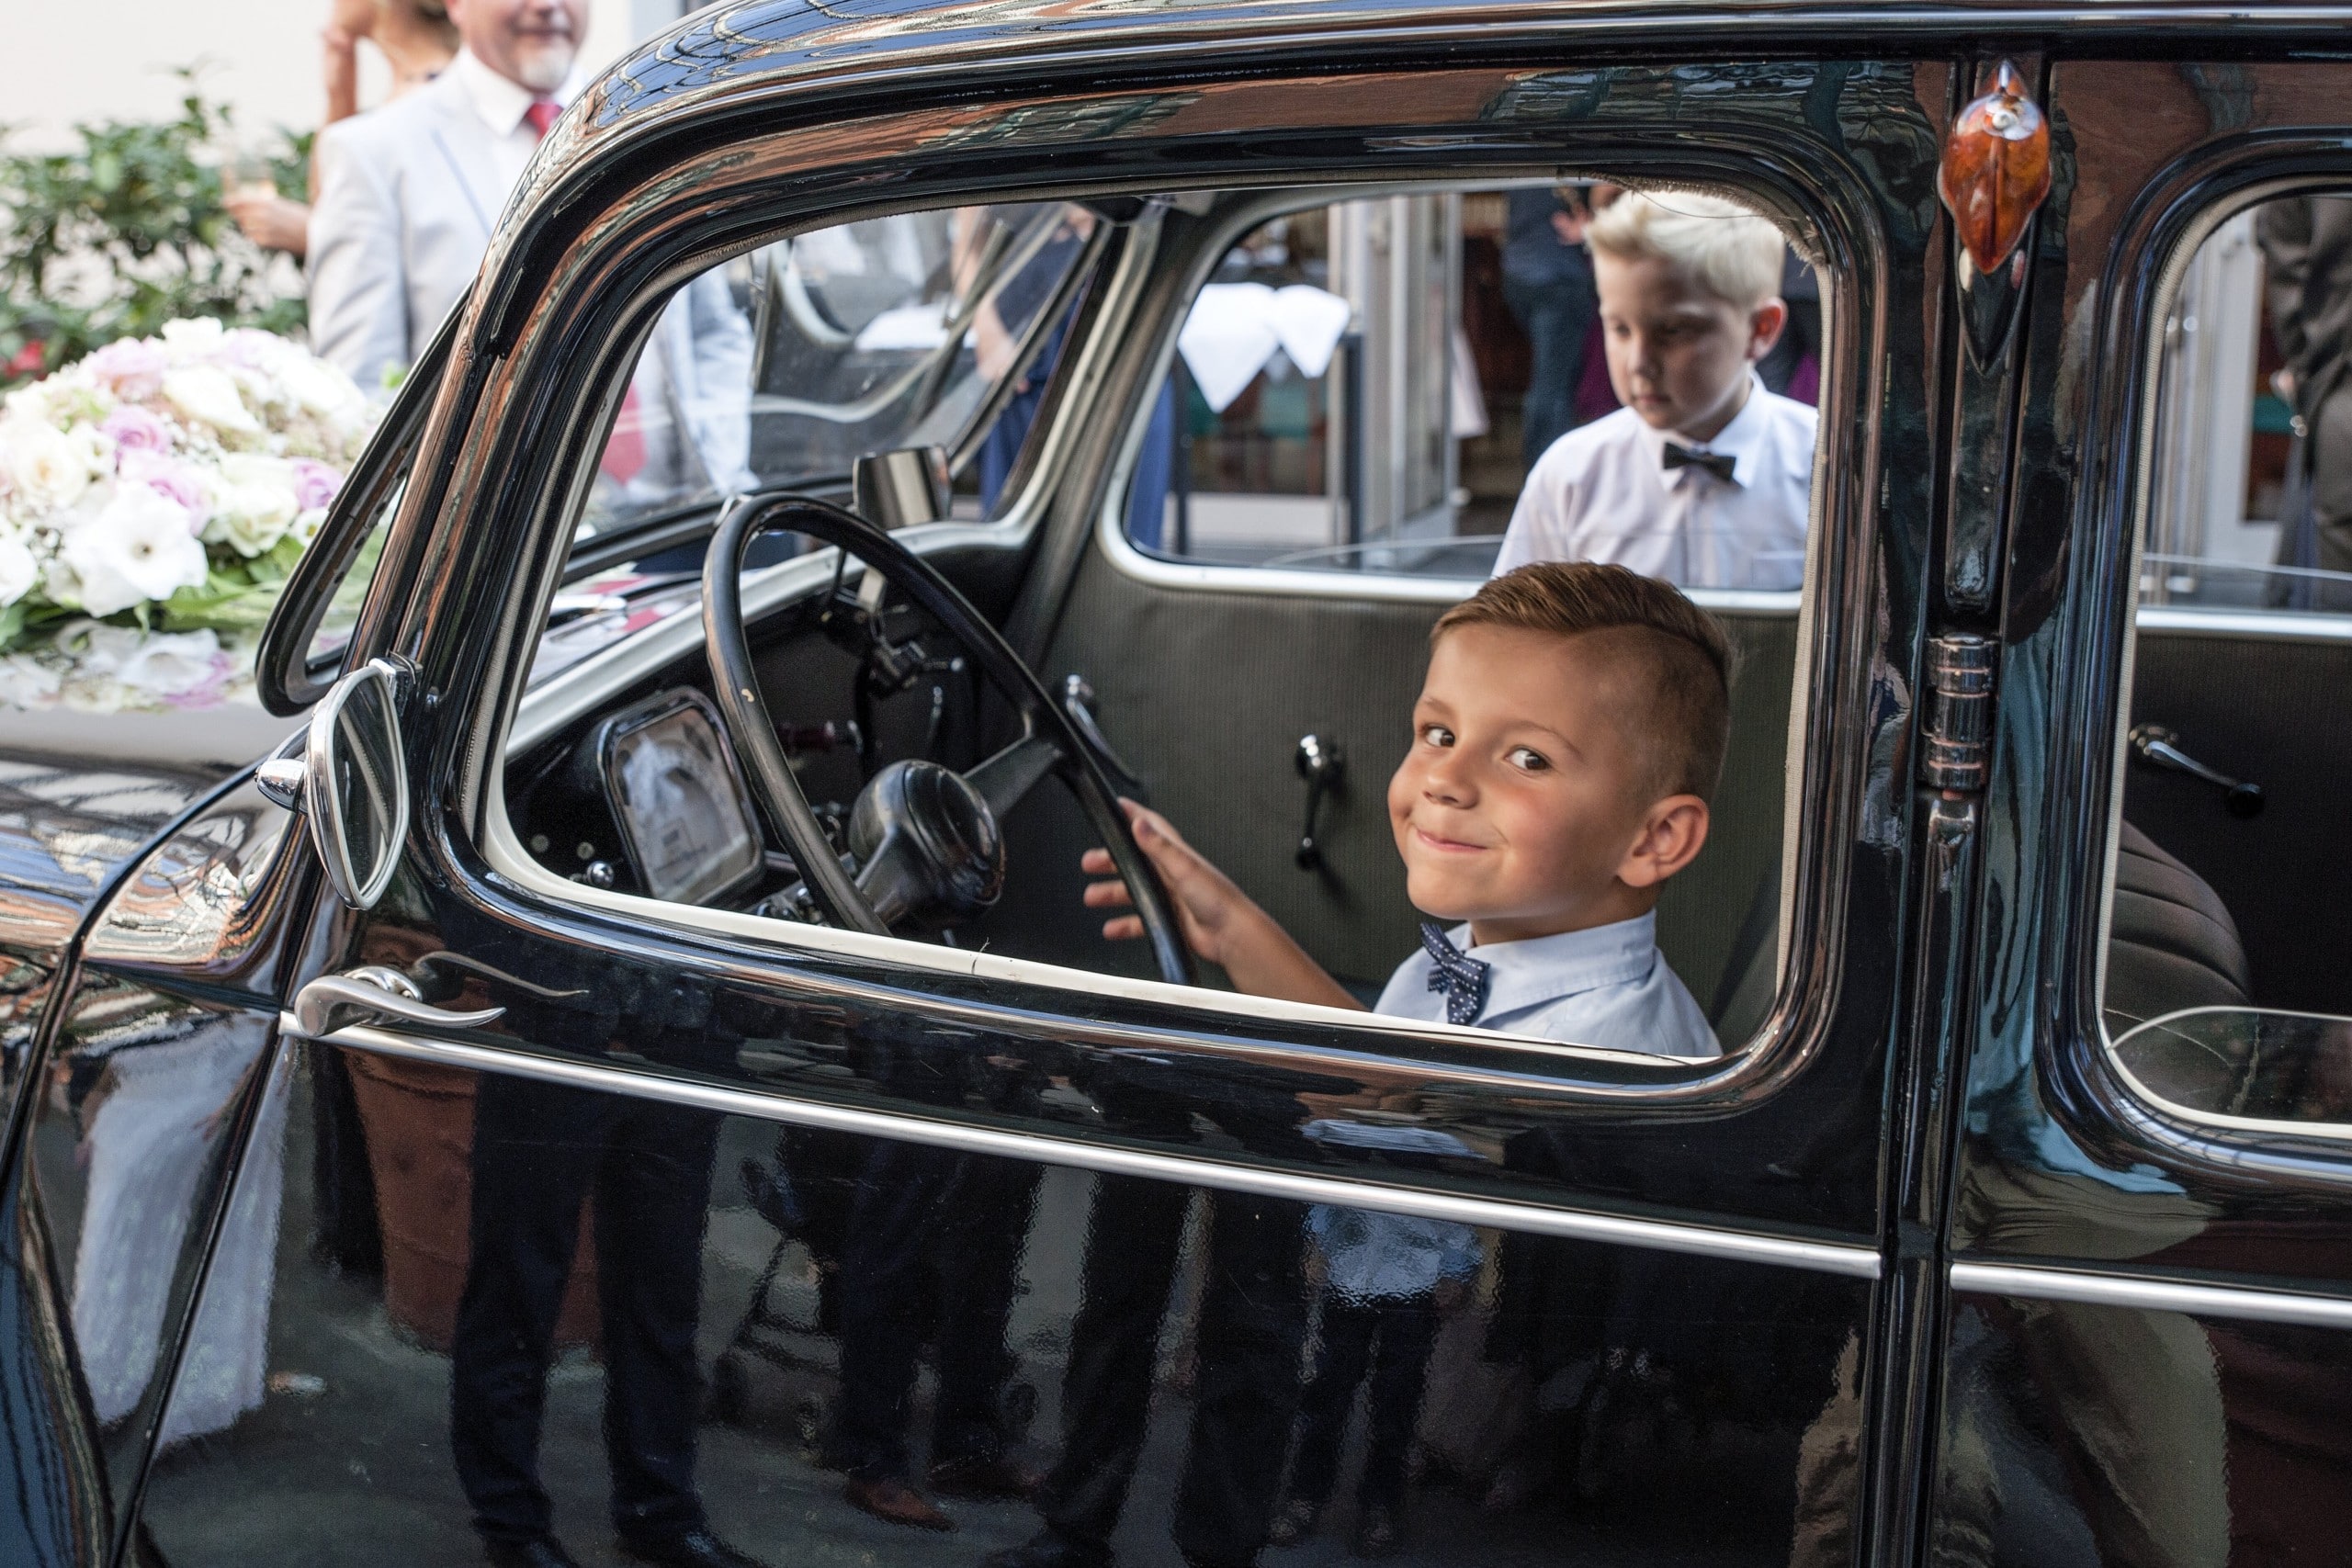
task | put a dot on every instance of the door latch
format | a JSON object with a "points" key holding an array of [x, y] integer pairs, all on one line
{"points": [[1958, 750], [373, 995]]}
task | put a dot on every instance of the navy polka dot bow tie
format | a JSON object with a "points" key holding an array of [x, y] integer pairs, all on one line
{"points": [[1461, 978]]}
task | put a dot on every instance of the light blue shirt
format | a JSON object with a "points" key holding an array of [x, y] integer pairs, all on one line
{"points": [[1606, 986]]}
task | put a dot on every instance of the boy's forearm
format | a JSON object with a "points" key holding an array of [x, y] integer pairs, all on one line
{"points": [[1262, 960]]}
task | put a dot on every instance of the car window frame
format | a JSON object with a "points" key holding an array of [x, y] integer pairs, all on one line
{"points": [[2175, 217], [1829, 704]]}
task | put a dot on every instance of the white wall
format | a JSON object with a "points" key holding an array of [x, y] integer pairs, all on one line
{"points": [[112, 59]]}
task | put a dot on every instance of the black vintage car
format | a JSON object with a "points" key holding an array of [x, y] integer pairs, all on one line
{"points": [[637, 1056]]}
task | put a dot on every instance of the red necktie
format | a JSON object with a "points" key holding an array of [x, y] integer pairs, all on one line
{"points": [[541, 114]]}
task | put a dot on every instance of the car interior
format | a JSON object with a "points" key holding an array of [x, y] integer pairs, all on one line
{"points": [[1274, 607], [1231, 626]]}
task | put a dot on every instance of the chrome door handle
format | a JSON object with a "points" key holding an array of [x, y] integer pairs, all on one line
{"points": [[2160, 747], [372, 994]]}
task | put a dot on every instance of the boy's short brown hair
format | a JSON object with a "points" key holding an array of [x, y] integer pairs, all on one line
{"points": [[1685, 719]]}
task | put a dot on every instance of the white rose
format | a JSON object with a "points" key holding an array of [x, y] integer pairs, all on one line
{"points": [[165, 664], [19, 570], [209, 396], [137, 548], [252, 503], [47, 470], [306, 524], [97, 449], [319, 388], [194, 334]]}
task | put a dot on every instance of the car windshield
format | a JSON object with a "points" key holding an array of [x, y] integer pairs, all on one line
{"points": [[786, 365]]}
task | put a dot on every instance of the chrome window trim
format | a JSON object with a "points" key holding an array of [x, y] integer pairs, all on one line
{"points": [[2272, 626], [2152, 1295], [1301, 583], [1845, 1259], [2336, 1131]]}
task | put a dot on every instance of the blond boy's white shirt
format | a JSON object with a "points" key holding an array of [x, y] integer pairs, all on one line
{"points": [[1602, 493]]}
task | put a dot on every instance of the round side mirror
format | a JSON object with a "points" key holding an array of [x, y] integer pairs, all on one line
{"points": [[355, 787]]}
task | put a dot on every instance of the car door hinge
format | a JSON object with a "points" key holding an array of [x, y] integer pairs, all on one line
{"points": [[1959, 739]]}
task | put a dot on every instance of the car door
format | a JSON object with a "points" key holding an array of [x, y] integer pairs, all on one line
{"points": [[2146, 1342], [601, 1129]]}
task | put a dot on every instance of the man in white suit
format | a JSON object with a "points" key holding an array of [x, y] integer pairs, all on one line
{"points": [[409, 195]]}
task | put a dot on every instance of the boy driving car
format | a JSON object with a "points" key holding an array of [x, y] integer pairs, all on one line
{"points": [[1569, 730], [1704, 478]]}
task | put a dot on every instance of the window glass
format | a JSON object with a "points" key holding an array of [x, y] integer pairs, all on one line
{"points": [[1355, 390], [1368, 387], [786, 365], [2225, 990]]}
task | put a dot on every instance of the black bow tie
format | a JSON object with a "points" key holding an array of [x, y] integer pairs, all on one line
{"points": [[1720, 464], [1461, 978]]}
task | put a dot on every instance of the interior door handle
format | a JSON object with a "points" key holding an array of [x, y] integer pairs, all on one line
{"points": [[374, 994], [1322, 763], [2160, 747]]}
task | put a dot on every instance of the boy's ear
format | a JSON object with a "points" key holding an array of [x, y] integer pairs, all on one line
{"points": [[1765, 325], [1673, 832]]}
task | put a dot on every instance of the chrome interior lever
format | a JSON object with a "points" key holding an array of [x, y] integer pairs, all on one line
{"points": [[373, 994], [2160, 747], [1322, 763]]}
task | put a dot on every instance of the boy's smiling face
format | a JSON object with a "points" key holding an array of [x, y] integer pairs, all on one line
{"points": [[1525, 805], [1679, 356]]}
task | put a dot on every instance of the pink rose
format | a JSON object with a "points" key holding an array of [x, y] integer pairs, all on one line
{"points": [[130, 367], [315, 484], [135, 430], [171, 478]]}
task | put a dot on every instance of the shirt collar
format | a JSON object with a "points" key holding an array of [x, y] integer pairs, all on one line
{"points": [[500, 100], [1739, 440], [1545, 968]]}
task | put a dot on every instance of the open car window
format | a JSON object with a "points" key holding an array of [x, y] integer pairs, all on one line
{"points": [[784, 365], [1366, 387], [1287, 385], [2224, 996]]}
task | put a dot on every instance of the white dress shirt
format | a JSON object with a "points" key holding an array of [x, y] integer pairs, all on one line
{"points": [[1604, 986], [502, 103], [1602, 493]]}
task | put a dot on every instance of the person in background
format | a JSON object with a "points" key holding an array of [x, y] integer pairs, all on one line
{"points": [[1547, 283], [408, 198], [417, 41], [1704, 478], [2307, 254]]}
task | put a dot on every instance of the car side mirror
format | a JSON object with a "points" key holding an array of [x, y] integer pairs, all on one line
{"points": [[898, 489], [350, 778]]}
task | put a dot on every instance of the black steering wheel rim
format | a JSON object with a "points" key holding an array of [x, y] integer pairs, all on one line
{"points": [[754, 731]]}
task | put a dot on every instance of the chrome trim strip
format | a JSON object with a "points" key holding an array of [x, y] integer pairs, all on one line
{"points": [[1376, 587], [2338, 1131], [2268, 625], [2152, 1295], [1818, 1257]]}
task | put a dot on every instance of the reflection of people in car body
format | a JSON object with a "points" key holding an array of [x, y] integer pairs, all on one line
{"points": [[1704, 478], [1572, 724]]}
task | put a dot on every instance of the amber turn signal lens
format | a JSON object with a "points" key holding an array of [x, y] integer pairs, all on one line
{"points": [[1996, 169]]}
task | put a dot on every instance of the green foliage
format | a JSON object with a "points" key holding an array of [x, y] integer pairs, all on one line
{"points": [[127, 232]]}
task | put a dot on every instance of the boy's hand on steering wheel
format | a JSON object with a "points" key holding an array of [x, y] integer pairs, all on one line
{"points": [[1208, 905], [1222, 924]]}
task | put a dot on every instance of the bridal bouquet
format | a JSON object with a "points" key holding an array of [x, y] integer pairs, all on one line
{"points": [[154, 497]]}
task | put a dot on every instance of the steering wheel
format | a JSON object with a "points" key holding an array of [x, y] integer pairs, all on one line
{"points": [[924, 842]]}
